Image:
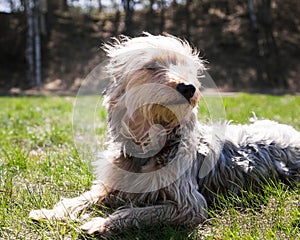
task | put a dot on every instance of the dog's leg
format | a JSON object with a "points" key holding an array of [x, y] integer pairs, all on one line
{"points": [[133, 217], [170, 213], [70, 207]]}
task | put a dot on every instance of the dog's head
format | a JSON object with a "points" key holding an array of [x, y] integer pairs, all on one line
{"points": [[155, 86]]}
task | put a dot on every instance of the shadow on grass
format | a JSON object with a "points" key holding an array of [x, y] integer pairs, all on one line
{"points": [[161, 232]]}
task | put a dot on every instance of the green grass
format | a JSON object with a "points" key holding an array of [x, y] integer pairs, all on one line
{"points": [[39, 164]]}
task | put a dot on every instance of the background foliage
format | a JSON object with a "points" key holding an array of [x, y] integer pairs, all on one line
{"points": [[250, 45]]}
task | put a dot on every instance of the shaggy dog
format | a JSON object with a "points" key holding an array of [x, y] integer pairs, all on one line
{"points": [[160, 160]]}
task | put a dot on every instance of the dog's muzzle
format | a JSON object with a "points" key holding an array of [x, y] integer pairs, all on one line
{"points": [[186, 90]]}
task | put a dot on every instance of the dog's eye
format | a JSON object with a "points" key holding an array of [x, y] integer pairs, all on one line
{"points": [[153, 66]]}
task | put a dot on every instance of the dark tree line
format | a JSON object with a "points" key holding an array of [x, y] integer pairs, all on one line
{"points": [[267, 53], [157, 15]]}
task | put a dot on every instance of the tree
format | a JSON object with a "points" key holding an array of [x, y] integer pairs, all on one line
{"points": [[128, 6], [150, 16], [100, 6], [33, 45], [116, 21], [267, 55], [188, 18], [64, 5], [254, 26], [270, 46], [61, 5], [162, 15]]}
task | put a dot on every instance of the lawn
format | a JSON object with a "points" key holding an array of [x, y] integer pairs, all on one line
{"points": [[39, 164]]}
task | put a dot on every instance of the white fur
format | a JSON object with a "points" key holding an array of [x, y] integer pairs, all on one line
{"points": [[196, 163]]}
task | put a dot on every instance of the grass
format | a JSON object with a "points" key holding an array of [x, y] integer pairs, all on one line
{"points": [[39, 164]]}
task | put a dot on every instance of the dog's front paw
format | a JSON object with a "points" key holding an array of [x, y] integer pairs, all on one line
{"points": [[97, 224], [46, 214]]}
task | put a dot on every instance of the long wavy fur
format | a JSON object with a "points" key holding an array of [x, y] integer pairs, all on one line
{"points": [[202, 162]]}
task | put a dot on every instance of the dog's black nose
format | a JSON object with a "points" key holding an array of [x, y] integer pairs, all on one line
{"points": [[187, 90]]}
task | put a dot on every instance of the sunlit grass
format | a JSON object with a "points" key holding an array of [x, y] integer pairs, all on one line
{"points": [[39, 164]]}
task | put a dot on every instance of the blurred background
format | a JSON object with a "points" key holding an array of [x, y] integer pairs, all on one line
{"points": [[51, 45]]}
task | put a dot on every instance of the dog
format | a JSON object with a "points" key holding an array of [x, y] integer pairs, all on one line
{"points": [[161, 163]]}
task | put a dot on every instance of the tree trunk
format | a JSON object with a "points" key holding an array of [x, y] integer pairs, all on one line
{"points": [[151, 11], [162, 15], [37, 43], [33, 45], [150, 18], [100, 6], [117, 22], [268, 63], [43, 17], [129, 10], [258, 57], [188, 18], [64, 5], [12, 6], [29, 42], [61, 5], [274, 63]]}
